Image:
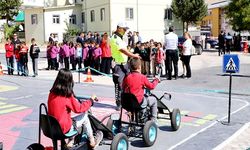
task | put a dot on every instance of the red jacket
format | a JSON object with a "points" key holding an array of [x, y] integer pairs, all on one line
{"points": [[135, 83], [159, 57], [106, 50], [9, 50], [61, 107]]}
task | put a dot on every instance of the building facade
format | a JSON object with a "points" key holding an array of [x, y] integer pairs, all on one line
{"points": [[216, 18], [150, 18]]}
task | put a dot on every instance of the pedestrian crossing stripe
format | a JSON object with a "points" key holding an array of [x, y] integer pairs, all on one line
{"points": [[231, 67], [9, 108], [1, 98], [5, 88], [205, 119], [195, 121]]}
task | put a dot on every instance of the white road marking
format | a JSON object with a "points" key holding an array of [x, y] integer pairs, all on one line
{"points": [[236, 134], [214, 123], [22, 97]]}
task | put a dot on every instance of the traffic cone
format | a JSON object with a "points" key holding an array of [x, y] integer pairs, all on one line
{"points": [[89, 79], [1, 69]]}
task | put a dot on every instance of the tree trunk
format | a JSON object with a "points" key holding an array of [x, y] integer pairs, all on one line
{"points": [[187, 26], [183, 26]]}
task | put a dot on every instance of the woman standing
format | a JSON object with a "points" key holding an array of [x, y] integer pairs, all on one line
{"points": [[187, 46], [9, 48], [34, 54]]}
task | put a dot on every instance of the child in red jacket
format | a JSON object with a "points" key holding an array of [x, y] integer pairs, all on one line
{"points": [[9, 48], [135, 83], [61, 102]]}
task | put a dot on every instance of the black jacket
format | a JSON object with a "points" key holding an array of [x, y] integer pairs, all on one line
{"points": [[34, 53]]}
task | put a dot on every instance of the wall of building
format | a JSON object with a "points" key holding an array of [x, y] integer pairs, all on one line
{"points": [[64, 13], [96, 6], [148, 17], [34, 30]]}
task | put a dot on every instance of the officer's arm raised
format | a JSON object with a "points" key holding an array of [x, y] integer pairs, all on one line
{"points": [[129, 54]]}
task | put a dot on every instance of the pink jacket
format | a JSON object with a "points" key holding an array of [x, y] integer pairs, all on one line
{"points": [[72, 51], [66, 50], [97, 53], [54, 51], [85, 52]]}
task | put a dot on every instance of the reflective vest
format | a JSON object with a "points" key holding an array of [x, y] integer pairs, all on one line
{"points": [[116, 44]]}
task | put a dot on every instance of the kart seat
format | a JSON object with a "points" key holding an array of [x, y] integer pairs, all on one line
{"points": [[52, 130], [129, 103]]}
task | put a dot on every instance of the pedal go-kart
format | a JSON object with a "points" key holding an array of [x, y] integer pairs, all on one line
{"points": [[139, 123], [51, 129], [174, 116]]}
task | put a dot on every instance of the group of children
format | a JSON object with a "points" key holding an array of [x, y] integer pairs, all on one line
{"points": [[19, 53], [152, 57], [61, 55]]}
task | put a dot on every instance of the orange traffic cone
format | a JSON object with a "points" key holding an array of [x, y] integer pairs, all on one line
{"points": [[89, 79], [1, 69]]}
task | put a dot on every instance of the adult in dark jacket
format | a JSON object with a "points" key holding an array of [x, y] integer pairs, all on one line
{"points": [[81, 39], [221, 43], [34, 54]]}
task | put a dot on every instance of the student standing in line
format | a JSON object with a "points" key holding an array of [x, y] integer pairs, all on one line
{"points": [[106, 54], [66, 54], [24, 59], [78, 55], [72, 51], [9, 48], [34, 55]]}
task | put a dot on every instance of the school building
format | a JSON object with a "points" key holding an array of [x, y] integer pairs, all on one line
{"points": [[151, 18]]}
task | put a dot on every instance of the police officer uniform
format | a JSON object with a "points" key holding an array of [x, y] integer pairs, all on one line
{"points": [[120, 68]]}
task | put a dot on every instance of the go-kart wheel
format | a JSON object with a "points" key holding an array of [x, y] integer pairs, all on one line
{"points": [[120, 142], [149, 133], [35, 146], [175, 117]]}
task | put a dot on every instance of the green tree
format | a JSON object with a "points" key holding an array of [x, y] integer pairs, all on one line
{"points": [[9, 9], [71, 31], [189, 11], [238, 13]]}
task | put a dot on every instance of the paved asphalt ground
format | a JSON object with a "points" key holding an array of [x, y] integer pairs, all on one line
{"points": [[203, 101]]}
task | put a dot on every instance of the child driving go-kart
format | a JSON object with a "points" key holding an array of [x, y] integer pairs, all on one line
{"points": [[135, 83], [61, 102]]}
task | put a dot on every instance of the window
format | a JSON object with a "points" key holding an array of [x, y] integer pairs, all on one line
{"points": [[129, 13], [102, 12], [83, 17], [34, 19], [56, 19], [72, 19], [92, 15], [168, 14]]}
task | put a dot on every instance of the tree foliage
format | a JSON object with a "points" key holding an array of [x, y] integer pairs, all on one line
{"points": [[189, 11], [238, 13], [9, 9]]}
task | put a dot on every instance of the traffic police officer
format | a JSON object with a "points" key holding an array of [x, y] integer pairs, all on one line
{"points": [[120, 56]]}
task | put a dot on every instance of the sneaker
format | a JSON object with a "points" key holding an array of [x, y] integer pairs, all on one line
{"points": [[98, 139]]}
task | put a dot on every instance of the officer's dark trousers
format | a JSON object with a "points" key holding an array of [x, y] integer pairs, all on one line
{"points": [[119, 72]]}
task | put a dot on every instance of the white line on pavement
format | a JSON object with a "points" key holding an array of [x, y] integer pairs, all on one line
{"points": [[22, 97], [231, 138], [215, 122]]}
